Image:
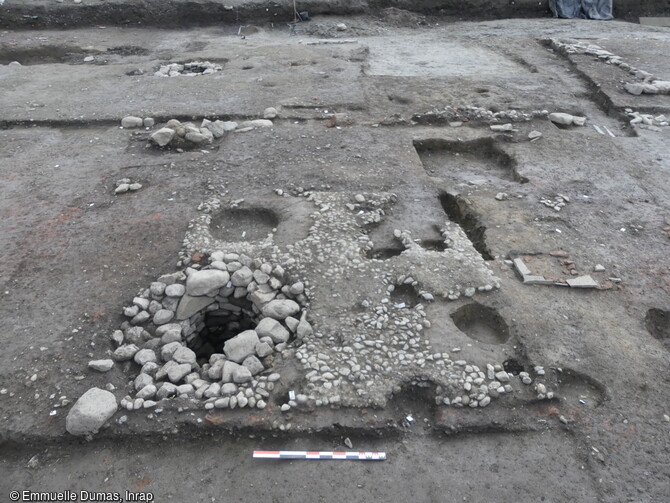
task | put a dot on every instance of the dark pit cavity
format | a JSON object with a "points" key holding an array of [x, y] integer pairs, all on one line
{"points": [[459, 211], [234, 317], [384, 253], [404, 294], [513, 366], [481, 323], [128, 50], [433, 244], [580, 390], [657, 322], [415, 399], [457, 159], [43, 55], [244, 224]]}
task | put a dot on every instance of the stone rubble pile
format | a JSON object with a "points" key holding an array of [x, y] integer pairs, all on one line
{"points": [[557, 203], [191, 69], [649, 85], [188, 135], [567, 119], [132, 122], [126, 185], [456, 116], [165, 319], [647, 121]]}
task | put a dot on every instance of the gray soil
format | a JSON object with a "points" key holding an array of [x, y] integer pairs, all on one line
{"points": [[72, 253]]}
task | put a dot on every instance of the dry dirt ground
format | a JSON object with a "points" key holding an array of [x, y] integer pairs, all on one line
{"points": [[73, 253]]}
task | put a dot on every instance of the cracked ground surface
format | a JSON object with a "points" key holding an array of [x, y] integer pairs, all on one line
{"points": [[412, 139]]}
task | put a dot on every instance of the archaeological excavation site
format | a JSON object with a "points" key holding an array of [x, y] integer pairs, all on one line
{"points": [[314, 250]]}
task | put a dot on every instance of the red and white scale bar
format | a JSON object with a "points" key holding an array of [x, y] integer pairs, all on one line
{"points": [[360, 456]]}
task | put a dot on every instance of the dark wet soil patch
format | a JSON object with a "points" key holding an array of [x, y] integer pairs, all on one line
{"points": [[657, 322]]}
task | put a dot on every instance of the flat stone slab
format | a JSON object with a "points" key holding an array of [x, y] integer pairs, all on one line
{"points": [[190, 305], [582, 282]]}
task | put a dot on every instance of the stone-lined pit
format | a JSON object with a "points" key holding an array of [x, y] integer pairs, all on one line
{"points": [[189, 69], [221, 325], [209, 332]]}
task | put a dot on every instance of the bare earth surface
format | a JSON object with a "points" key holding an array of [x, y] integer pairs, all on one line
{"points": [[383, 189]]}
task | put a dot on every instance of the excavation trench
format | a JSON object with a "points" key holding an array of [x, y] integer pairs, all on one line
{"points": [[459, 211], [463, 160]]}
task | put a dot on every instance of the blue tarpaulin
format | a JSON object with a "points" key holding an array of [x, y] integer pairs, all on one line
{"points": [[586, 9]]}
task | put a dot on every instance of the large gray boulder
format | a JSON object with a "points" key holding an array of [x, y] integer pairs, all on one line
{"points": [[90, 412], [241, 346], [206, 282], [281, 309], [269, 327]]}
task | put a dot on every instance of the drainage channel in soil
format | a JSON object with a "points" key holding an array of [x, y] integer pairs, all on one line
{"points": [[463, 161], [459, 211]]}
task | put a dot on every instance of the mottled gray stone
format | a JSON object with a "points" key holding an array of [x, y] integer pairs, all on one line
{"points": [[177, 372], [241, 346], [166, 390], [253, 364], [227, 371], [101, 365], [162, 317], [169, 349], [242, 277], [280, 309], [242, 374], [125, 352], [269, 327], [175, 290], [90, 412], [144, 356], [184, 355], [206, 282]]}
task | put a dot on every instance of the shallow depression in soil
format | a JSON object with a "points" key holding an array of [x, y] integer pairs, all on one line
{"points": [[244, 224], [481, 323]]}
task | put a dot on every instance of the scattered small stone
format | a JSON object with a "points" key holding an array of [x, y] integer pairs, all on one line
{"points": [[101, 365]]}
